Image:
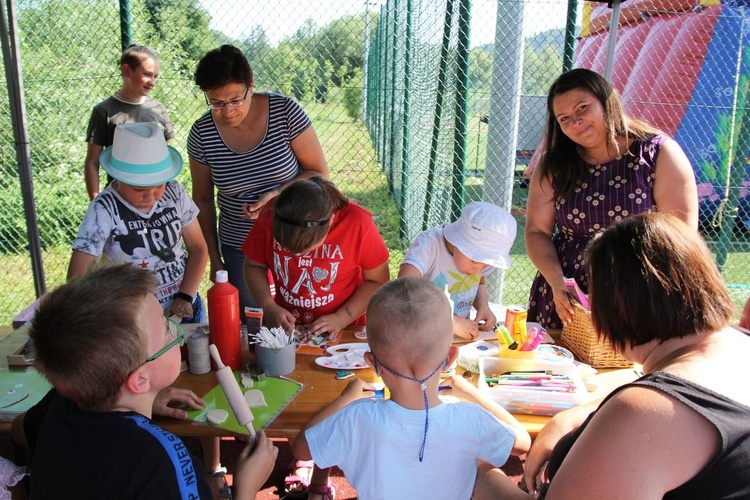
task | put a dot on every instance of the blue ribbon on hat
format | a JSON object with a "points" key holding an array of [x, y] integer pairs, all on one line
{"points": [[137, 168]]}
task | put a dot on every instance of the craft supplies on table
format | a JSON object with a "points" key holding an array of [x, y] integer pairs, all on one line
{"points": [[515, 322], [345, 356], [197, 337], [541, 387], [317, 344], [275, 350], [544, 357], [224, 319], [278, 392], [253, 319], [469, 354], [276, 362]]}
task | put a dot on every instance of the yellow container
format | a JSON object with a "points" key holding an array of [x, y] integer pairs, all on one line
{"points": [[544, 357]]}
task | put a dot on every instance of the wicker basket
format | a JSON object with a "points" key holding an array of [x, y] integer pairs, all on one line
{"points": [[580, 338]]}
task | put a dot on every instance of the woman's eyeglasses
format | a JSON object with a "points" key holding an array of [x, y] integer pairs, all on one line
{"points": [[219, 105]]}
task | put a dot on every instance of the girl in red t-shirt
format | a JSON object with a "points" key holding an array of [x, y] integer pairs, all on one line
{"points": [[325, 254]]}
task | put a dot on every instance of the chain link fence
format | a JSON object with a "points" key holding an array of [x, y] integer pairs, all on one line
{"points": [[421, 106]]}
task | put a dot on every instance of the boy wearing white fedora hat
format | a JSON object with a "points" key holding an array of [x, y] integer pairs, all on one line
{"points": [[458, 256], [144, 217]]}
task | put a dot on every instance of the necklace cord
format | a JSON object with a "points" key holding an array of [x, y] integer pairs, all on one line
{"points": [[424, 394]]}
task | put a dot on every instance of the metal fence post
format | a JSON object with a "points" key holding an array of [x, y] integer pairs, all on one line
{"points": [[462, 107], [13, 75], [126, 23], [437, 116]]}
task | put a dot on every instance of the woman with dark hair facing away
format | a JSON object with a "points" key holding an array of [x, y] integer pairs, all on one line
{"points": [[326, 256], [682, 431], [598, 166], [248, 147]]}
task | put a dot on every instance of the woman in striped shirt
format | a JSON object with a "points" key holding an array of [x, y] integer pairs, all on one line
{"points": [[249, 147]]}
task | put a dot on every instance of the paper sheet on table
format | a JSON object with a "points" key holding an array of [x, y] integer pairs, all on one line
{"points": [[316, 345], [277, 391]]}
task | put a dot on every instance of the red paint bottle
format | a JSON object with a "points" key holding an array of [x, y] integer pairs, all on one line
{"points": [[224, 320]]}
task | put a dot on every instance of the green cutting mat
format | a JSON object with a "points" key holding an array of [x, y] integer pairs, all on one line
{"points": [[20, 390], [278, 392]]}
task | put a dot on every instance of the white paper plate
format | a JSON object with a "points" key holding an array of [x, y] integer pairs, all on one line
{"points": [[344, 356]]}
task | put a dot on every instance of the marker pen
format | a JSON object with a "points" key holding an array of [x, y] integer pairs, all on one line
{"points": [[530, 338], [504, 336], [538, 340]]}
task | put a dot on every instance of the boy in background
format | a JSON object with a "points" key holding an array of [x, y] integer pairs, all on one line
{"points": [[459, 256], [139, 68], [104, 344], [434, 446]]}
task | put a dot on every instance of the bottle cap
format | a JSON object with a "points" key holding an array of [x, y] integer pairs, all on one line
{"points": [[222, 276]]}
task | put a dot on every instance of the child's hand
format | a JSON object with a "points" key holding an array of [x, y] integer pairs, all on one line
{"points": [[485, 314], [166, 398], [180, 307], [357, 389], [330, 323], [460, 387], [254, 466], [276, 315], [465, 328]]}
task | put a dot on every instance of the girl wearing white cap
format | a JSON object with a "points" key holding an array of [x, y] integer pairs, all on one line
{"points": [[458, 256]]}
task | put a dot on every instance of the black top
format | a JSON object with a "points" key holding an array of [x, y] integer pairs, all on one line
{"points": [[81, 455], [728, 474]]}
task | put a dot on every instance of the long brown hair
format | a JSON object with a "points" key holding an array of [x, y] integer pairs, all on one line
{"points": [[560, 162]]}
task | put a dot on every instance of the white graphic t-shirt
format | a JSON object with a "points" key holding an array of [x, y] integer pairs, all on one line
{"points": [[114, 228]]}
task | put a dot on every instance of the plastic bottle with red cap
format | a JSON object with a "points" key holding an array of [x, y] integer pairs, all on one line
{"points": [[224, 320]]}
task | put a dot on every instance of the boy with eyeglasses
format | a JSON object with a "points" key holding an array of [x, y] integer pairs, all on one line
{"points": [[436, 446], [103, 343]]}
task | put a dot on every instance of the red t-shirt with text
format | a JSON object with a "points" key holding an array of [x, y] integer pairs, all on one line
{"points": [[319, 282]]}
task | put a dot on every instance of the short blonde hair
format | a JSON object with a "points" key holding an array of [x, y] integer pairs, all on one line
{"points": [[410, 319], [134, 56]]}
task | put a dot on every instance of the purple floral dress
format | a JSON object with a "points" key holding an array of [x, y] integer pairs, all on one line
{"points": [[613, 191]]}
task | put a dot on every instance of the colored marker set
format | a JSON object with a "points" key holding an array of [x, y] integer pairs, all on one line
{"points": [[535, 381], [522, 341], [532, 382]]}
